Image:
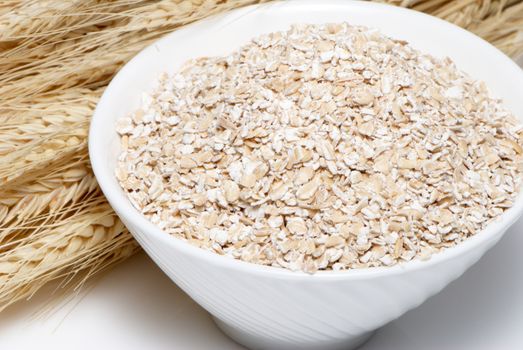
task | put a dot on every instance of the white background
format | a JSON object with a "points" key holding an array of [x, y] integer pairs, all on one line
{"points": [[135, 307]]}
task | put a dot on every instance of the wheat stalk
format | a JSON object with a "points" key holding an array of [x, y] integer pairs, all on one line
{"points": [[89, 58], [91, 239], [59, 225], [54, 220], [36, 134], [498, 21], [55, 59], [56, 226]]}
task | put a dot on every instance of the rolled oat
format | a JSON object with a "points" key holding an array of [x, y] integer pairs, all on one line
{"points": [[322, 147]]}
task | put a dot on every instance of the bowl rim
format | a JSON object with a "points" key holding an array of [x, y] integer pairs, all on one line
{"points": [[123, 207]]}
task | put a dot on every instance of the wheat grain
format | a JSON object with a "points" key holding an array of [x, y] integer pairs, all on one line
{"points": [[63, 251], [34, 134]]}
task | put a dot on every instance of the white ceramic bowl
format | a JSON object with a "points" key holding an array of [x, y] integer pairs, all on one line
{"points": [[270, 308]]}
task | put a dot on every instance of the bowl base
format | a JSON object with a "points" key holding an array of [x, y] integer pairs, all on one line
{"points": [[255, 342]]}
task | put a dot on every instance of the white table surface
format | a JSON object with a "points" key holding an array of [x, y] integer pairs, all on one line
{"points": [[136, 306]]}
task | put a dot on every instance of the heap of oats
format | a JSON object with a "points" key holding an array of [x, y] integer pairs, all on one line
{"points": [[323, 147]]}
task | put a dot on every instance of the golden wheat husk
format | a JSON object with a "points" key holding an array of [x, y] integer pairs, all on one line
{"points": [[56, 57], [54, 220], [498, 21]]}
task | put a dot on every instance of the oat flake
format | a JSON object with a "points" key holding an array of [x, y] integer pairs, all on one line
{"points": [[322, 147]]}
